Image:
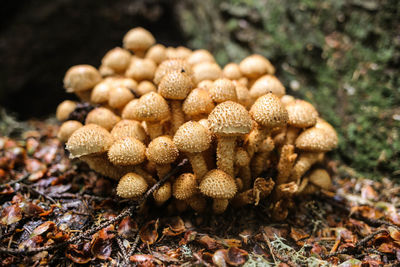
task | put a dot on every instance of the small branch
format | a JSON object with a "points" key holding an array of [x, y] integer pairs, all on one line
{"points": [[15, 181], [123, 250]]}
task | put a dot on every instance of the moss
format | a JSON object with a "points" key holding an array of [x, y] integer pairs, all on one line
{"points": [[344, 55]]}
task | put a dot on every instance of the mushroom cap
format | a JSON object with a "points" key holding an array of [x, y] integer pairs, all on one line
{"points": [[131, 185], [162, 150], [157, 53], [141, 69], [106, 71], [89, 139], [256, 65], [171, 65], [206, 71], [149, 107], [267, 84], [175, 85], [218, 184], [242, 158], [198, 102], [243, 95], [129, 128], [103, 117], [287, 99], [185, 186], [64, 109], [138, 39], [100, 92], [316, 140], [119, 97], [179, 52], [81, 78], [117, 59], [232, 71], [200, 55], [205, 84], [230, 119], [223, 90], [269, 112], [127, 151], [120, 81], [163, 193], [322, 124], [301, 114], [192, 137], [67, 129], [145, 87], [320, 178]]}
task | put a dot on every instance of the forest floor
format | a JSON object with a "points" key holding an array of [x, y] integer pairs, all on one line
{"points": [[55, 211]]}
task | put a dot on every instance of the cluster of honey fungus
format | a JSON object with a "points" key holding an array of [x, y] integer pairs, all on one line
{"points": [[246, 140]]}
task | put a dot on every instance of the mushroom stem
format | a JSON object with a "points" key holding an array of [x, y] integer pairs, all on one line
{"points": [[243, 199], [254, 140], [197, 202], [303, 164], [291, 135], [245, 174], [286, 162], [225, 154], [199, 165], [177, 117], [220, 205], [154, 129], [259, 162]]}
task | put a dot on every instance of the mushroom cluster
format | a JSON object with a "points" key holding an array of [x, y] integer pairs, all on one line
{"points": [[246, 140]]}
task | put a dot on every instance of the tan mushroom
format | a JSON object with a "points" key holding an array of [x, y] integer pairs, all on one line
{"points": [[223, 90], [185, 188], [126, 152], [129, 128], [206, 71], [64, 109], [67, 129], [304, 162], [141, 69], [256, 65], [100, 164], [228, 121], [259, 162], [232, 71], [179, 52], [131, 185], [199, 56], [145, 87], [243, 95], [119, 97], [138, 40], [285, 164], [267, 84], [102, 117], [157, 53], [117, 59], [162, 194], [171, 65], [163, 152], [101, 92], [242, 161], [198, 104], [219, 186], [192, 138], [81, 78]]}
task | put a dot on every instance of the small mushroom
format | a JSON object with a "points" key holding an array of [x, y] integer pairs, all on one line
{"points": [[131, 185], [321, 179], [81, 78], [117, 59], [162, 194], [141, 69], [163, 152], [199, 56], [119, 97], [102, 117], [129, 128], [138, 40], [232, 71], [67, 129], [126, 152], [198, 104], [185, 188], [101, 92], [267, 84], [256, 65], [64, 109], [223, 90], [171, 65], [285, 164], [242, 161], [145, 87], [259, 162], [206, 71], [304, 162], [100, 164], [157, 53]]}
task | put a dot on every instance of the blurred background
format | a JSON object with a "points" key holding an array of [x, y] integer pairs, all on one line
{"points": [[342, 56]]}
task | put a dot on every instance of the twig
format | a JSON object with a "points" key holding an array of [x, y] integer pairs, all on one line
{"points": [[126, 212], [123, 251], [134, 245], [39, 193], [15, 181]]}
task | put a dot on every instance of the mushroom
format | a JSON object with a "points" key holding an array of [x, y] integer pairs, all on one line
{"points": [[243, 95], [126, 152], [221, 187], [285, 164], [100, 164], [198, 104], [81, 78], [131, 185], [199, 56], [101, 92], [175, 86], [179, 52], [206, 71], [185, 188], [151, 108], [145, 87], [157, 53], [267, 84], [259, 162], [223, 90], [119, 97], [64, 109], [256, 65], [138, 40], [192, 138], [117, 59], [228, 120], [162, 194], [163, 152], [129, 128], [242, 161], [141, 69], [304, 162], [67, 129], [232, 71], [321, 179], [103, 117], [171, 65], [89, 139]]}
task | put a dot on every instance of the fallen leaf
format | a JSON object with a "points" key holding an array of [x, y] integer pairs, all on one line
{"points": [[7, 190], [101, 244], [236, 256], [219, 258], [11, 214], [298, 234], [231, 242], [148, 233], [368, 193], [176, 226], [209, 242], [127, 227], [394, 233], [43, 228], [80, 256]]}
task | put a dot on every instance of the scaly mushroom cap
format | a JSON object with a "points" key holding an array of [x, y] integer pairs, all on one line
{"points": [[127, 151], [198, 102], [322, 124], [129, 128], [205, 85], [131, 185], [122, 82], [117, 59], [206, 71], [199, 56], [243, 95], [232, 71], [256, 65], [171, 65], [162, 150], [138, 40], [230, 119], [179, 52], [157, 53], [81, 78], [67, 129], [141, 69], [185, 186], [149, 107], [192, 137], [316, 140], [269, 112], [218, 184], [301, 114], [119, 97], [163, 193], [242, 157], [223, 90], [103, 117], [267, 84], [89, 139], [64, 109], [287, 99], [175, 85], [320, 178], [100, 92], [145, 87]]}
